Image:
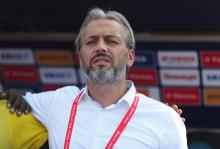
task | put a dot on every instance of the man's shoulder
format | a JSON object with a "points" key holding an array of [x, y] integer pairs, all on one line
{"points": [[157, 112], [67, 90], [60, 92], [150, 104]]}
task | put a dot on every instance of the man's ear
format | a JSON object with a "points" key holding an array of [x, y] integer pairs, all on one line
{"points": [[131, 58]]}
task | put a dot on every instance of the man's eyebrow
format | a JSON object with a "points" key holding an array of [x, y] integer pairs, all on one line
{"points": [[112, 36], [91, 37]]}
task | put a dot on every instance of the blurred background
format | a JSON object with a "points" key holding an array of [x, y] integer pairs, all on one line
{"points": [[177, 53]]}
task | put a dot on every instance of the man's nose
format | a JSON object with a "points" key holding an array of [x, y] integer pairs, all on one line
{"points": [[101, 47]]}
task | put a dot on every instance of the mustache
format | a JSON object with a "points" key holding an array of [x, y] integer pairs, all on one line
{"points": [[101, 54]]}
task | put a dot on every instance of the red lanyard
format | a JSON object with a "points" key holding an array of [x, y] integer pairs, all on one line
{"points": [[117, 132]]}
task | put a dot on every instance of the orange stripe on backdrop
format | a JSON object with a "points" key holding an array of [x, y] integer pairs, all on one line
{"points": [[212, 96], [54, 57]]}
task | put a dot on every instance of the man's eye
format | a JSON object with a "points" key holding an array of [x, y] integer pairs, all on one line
{"points": [[113, 42], [90, 42]]}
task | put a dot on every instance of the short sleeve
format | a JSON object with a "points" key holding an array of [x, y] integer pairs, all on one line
{"points": [[174, 134], [41, 104]]}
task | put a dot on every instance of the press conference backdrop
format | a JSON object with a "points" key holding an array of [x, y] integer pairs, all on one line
{"points": [[184, 73]]}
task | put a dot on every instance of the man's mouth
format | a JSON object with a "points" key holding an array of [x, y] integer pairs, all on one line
{"points": [[101, 60]]}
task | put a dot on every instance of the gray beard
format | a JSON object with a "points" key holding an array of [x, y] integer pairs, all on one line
{"points": [[103, 76], [106, 76]]}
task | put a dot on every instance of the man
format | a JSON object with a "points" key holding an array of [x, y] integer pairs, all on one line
{"points": [[108, 112]]}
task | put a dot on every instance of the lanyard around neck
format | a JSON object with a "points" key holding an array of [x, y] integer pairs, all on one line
{"points": [[117, 132]]}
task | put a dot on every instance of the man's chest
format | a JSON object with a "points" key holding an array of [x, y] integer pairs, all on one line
{"points": [[93, 128]]}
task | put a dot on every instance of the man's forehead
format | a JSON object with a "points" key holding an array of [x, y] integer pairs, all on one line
{"points": [[104, 35], [103, 27]]}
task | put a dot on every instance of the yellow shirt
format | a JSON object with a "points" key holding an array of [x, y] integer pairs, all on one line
{"points": [[23, 132]]}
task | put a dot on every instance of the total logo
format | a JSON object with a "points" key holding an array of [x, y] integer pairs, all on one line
{"points": [[20, 74], [210, 59], [182, 96]]}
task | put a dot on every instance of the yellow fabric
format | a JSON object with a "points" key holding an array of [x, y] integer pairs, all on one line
{"points": [[23, 132]]}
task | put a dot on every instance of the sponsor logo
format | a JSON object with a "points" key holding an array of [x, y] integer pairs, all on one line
{"points": [[145, 59], [178, 59], [19, 56], [212, 96], [16, 56], [210, 59], [211, 77], [143, 76], [181, 96], [179, 77], [51, 57], [58, 75], [24, 73]]}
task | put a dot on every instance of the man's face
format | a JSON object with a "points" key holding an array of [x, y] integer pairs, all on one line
{"points": [[104, 54]]}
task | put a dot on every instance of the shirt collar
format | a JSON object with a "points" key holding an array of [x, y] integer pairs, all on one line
{"points": [[130, 94], [128, 97]]}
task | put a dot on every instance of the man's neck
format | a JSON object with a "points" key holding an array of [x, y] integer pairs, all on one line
{"points": [[107, 94]]}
